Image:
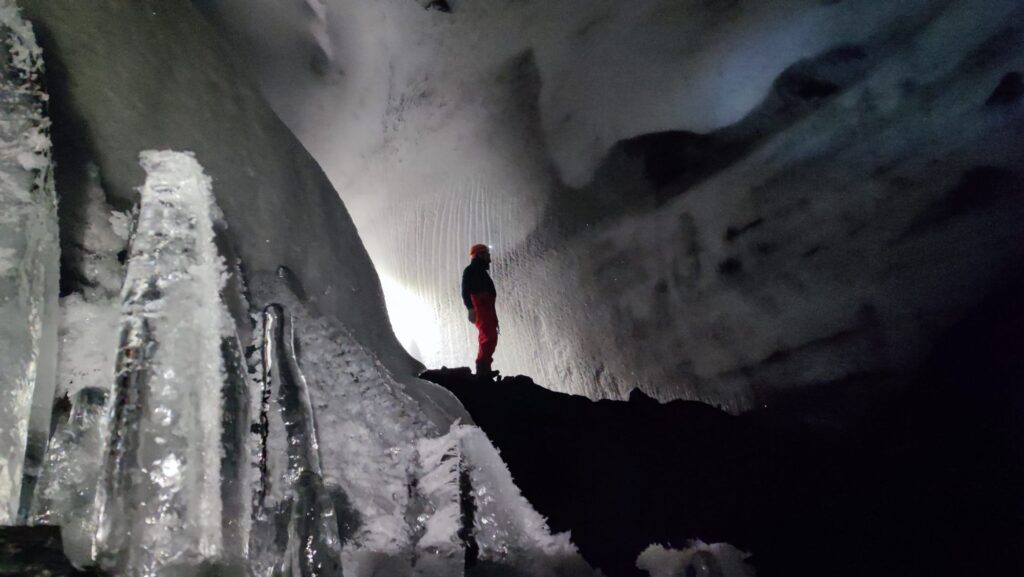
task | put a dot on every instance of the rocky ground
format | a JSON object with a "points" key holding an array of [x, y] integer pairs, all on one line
{"points": [[924, 484]]}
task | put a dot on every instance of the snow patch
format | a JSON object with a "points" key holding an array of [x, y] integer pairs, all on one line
{"points": [[699, 559]]}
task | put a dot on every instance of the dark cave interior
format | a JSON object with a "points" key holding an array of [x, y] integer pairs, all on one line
{"points": [[924, 483]]}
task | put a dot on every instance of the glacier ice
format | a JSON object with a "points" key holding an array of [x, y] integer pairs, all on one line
{"points": [[174, 492], [169, 81], [87, 347], [494, 132], [28, 264], [399, 479], [66, 493], [159, 503]]}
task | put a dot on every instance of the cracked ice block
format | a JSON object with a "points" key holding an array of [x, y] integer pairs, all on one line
{"points": [[28, 263], [159, 504]]}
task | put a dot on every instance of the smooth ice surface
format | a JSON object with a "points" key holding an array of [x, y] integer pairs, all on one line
{"points": [[160, 501], [66, 493], [841, 241], [28, 261]]}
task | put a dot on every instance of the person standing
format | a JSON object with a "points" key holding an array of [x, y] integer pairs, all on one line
{"points": [[478, 295]]}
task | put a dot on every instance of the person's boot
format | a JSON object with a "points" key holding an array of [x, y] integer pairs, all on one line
{"points": [[483, 371]]}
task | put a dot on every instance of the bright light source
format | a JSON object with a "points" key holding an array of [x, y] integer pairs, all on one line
{"points": [[415, 324]]}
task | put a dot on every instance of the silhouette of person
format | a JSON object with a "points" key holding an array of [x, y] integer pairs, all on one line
{"points": [[478, 294]]}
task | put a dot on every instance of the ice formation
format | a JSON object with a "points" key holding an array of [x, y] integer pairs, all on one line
{"points": [[407, 495], [28, 263], [699, 559], [87, 350], [174, 458], [179, 86], [816, 144], [159, 503]]}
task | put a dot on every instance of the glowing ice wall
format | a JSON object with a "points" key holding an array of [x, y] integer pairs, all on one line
{"points": [[499, 122]]}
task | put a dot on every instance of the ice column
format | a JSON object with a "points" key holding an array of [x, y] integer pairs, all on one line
{"points": [[313, 544], [159, 504], [66, 493], [29, 265]]}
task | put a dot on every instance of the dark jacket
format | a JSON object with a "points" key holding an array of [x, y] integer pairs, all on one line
{"points": [[475, 280]]}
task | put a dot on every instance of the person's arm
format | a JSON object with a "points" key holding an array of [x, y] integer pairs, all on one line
{"points": [[467, 282]]}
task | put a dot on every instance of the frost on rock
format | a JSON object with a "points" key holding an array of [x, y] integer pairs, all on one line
{"points": [[699, 559], [407, 498], [28, 263], [475, 511], [159, 503]]}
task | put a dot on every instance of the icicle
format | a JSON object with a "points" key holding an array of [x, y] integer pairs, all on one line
{"points": [[478, 510], [237, 505], [313, 546]]}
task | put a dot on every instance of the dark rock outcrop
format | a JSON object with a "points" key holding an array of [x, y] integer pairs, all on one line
{"points": [[923, 484], [36, 552]]}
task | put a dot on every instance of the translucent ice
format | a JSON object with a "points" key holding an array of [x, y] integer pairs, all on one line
{"points": [[66, 494], [28, 263], [159, 505]]}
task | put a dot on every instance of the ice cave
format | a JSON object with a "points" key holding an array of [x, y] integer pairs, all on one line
{"points": [[750, 274]]}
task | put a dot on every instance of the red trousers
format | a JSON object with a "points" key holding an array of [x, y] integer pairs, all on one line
{"points": [[487, 324]]}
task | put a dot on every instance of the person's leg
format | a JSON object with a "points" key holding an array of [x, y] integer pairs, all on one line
{"points": [[487, 325], [485, 354]]}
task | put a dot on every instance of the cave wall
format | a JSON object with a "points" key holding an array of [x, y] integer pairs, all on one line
{"points": [[725, 201], [131, 76]]}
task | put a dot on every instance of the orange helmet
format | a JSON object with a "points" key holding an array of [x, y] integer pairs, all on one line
{"points": [[478, 249]]}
